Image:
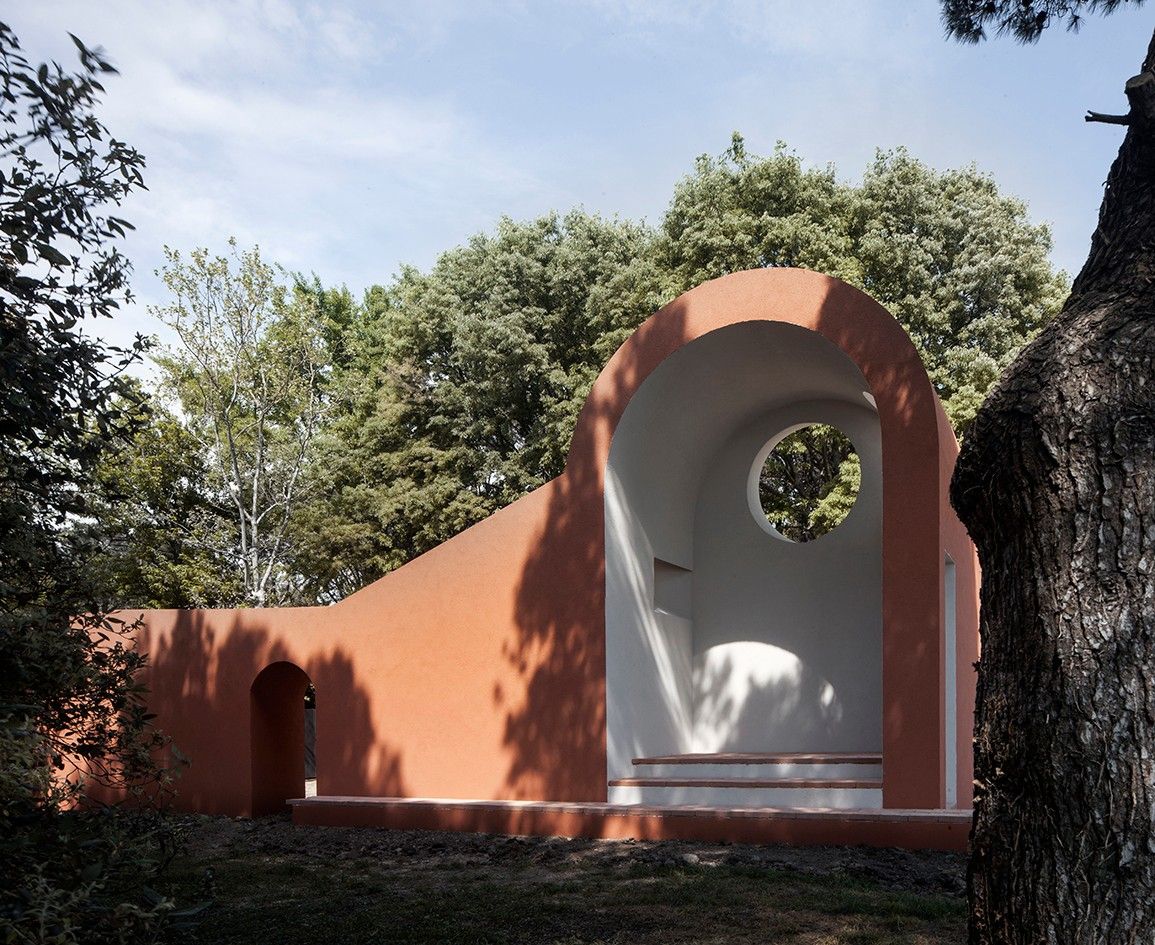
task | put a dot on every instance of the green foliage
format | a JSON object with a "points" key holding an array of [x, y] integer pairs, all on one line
{"points": [[399, 420], [961, 268], [958, 264], [72, 719], [248, 375], [462, 386], [739, 211], [1025, 20], [838, 499], [160, 536], [60, 172], [809, 482], [83, 881], [71, 715]]}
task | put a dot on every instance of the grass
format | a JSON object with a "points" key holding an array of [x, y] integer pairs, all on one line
{"points": [[268, 894]]}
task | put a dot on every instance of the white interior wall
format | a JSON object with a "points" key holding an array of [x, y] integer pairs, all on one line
{"points": [[787, 637], [648, 654], [796, 628]]}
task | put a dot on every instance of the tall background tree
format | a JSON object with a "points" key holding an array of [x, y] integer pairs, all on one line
{"points": [[70, 711], [460, 388], [1056, 484], [462, 385], [248, 376], [960, 265], [447, 394], [160, 532]]}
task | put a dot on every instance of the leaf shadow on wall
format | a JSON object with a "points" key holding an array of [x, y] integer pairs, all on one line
{"points": [[557, 735], [200, 679]]}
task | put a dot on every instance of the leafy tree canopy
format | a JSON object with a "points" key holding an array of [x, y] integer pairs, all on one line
{"points": [[462, 385], [161, 534], [61, 172], [444, 395], [959, 265], [71, 714], [248, 374]]}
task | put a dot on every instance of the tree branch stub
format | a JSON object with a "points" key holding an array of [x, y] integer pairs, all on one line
{"points": [[1107, 119]]}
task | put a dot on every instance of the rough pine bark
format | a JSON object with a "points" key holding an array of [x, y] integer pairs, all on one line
{"points": [[1056, 484]]}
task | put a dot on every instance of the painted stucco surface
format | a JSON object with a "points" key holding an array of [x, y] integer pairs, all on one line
{"points": [[479, 669], [776, 646]]}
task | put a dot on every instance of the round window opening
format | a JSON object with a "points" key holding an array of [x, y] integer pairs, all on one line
{"points": [[809, 482]]}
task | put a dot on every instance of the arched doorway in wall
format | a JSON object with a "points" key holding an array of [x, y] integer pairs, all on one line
{"points": [[280, 737], [743, 659]]}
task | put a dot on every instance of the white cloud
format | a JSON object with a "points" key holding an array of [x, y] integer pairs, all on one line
{"points": [[885, 35], [348, 136], [262, 120]]}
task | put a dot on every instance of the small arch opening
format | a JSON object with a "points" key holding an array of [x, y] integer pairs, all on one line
{"points": [[281, 739], [808, 482]]}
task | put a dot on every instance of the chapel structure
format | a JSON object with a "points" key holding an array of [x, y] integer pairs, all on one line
{"points": [[633, 649]]}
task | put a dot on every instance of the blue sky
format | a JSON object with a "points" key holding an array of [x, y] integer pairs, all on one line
{"points": [[348, 139]]}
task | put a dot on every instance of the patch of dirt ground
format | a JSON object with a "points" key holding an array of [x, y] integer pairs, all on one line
{"points": [[924, 871], [336, 884]]}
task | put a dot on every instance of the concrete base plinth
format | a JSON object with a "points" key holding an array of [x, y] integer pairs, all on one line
{"points": [[909, 829]]}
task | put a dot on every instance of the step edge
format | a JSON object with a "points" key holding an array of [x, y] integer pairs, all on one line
{"points": [[956, 816], [828, 783], [774, 758]]}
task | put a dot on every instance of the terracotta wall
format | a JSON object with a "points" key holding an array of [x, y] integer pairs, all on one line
{"points": [[478, 669], [470, 672], [956, 543]]}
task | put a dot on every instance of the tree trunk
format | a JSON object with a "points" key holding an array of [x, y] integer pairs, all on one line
{"points": [[1056, 484]]}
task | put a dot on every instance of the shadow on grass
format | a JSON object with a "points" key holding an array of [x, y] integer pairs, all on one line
{"points": [[382, 886]]}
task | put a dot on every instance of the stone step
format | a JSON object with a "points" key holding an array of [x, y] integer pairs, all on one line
{"points": [[827, 793], [750, 782], [777, 766], [773, 757]]}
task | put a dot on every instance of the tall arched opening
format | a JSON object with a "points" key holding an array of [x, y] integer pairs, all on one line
{"points": [[725, 638], [277, 702]]}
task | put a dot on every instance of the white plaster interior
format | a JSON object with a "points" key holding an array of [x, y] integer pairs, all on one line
{"points": [[723, 636], [827, 798], [756, 770]]}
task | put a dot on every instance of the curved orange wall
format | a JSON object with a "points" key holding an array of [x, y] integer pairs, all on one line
{"points": [[478, 669]]}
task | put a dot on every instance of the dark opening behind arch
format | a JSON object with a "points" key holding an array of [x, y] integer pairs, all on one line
{"points": [[277, 719]]}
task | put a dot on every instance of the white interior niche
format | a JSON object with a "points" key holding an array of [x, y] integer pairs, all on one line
{"points": [[720, 635]]}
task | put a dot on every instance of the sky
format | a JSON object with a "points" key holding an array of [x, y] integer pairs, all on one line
{"points": [[348, 139]]}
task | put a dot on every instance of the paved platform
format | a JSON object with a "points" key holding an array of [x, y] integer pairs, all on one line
{"points": [[909, 829]]}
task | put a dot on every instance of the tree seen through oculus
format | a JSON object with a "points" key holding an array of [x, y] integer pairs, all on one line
{"points": [[809, 482]]}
